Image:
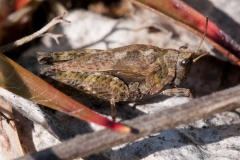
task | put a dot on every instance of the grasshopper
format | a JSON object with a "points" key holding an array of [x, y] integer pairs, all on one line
{"points": [[126, 73]]}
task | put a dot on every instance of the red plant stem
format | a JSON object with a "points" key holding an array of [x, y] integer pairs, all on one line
{"points": [[195, 22]]}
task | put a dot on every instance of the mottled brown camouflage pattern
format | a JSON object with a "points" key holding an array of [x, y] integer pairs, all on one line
{"points": [[121, 74]]}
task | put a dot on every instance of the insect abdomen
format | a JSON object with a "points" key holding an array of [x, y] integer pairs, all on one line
{"points": [[105, 87]]}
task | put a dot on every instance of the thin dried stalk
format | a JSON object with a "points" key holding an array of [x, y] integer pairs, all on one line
{"points": [[37, 34]]}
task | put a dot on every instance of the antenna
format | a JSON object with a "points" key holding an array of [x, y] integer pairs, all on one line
{"points": [[200, 57], [204, 35]]}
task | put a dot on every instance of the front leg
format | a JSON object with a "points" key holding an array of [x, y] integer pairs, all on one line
{"points": [[177, 92]]}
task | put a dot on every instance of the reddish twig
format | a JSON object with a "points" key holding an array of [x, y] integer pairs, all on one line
{"points": [[189, 18]]}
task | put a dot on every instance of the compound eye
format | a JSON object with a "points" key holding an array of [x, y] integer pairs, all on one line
{"points": [[183, 47], [185, 61]]}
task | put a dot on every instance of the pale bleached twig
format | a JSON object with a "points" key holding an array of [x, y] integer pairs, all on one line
{"points": [[26, 107], [85, 145], [37, 34], [54, 36]]}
